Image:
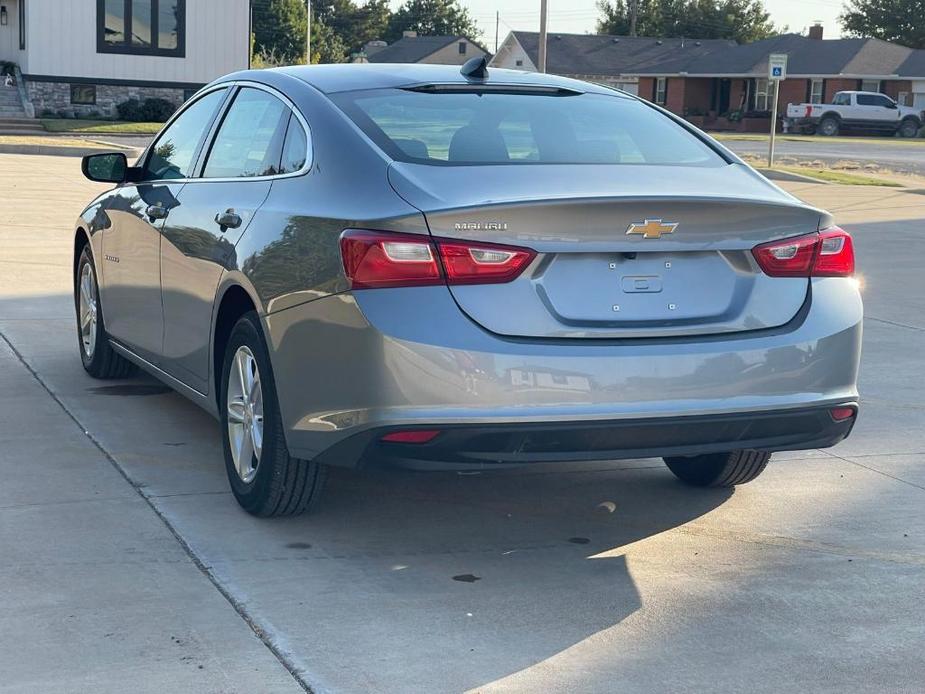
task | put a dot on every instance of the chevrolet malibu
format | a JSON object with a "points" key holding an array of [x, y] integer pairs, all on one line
{"points": [[464, 269]]}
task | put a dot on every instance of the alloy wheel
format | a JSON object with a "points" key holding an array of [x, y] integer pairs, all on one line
{"points": [[244, 402], [88, 313]]}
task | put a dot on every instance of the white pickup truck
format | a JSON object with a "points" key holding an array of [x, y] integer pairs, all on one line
{"points": [[855, 111]]}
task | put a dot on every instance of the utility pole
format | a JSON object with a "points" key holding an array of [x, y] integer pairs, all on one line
{"points": [[308, 34], [634, 11], [541, 50], [497, 22]]}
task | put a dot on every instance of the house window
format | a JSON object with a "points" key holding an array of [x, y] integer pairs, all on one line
{"points": [[83, 94], [903, 99], [815, 92], [462, 47], [761, 95], [141, 27], [519, 63], [22, 25], [661, 90], [870, 85]]}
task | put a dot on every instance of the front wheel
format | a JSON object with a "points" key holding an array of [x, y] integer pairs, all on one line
{"points": [[265, 479], [908, 128], [719, 469]]}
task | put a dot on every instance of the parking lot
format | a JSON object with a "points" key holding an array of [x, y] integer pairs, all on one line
{"points": [[126, 563]]}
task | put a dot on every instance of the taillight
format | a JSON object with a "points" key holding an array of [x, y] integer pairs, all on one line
{"points": [[830, 253], [388, 259]]}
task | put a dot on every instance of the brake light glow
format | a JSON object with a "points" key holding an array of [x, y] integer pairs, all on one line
{"points": [[840, 414], [830, 253], [389, 259]]}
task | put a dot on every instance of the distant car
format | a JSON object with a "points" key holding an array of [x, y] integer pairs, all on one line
{"points": [[356, 264], [856, 111]]}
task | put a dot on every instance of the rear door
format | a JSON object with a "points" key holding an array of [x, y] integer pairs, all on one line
{"points": [[640, 228], [214, 211], [131, 291]]}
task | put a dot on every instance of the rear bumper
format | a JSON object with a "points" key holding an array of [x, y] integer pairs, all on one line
{"points": [[495, 445], [351, 366]]}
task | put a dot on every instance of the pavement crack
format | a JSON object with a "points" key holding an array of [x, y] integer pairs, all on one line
{"points": [[873, 469], [204, 569], [896, 323]]}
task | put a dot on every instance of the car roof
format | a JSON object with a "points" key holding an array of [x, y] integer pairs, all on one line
{"points": [[343, 77]]}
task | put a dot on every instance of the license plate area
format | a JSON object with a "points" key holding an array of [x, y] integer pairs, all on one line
{"points": [[644, 288]]}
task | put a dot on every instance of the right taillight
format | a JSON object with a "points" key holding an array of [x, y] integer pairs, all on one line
{"points": [[830, 253], [388, 259]]}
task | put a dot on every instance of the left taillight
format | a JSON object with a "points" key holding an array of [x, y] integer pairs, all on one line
{"points": [[374, 259], [830, 253]]}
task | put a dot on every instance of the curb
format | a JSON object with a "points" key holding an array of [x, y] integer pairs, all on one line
{"points": [[60, 150], [776, 175]]}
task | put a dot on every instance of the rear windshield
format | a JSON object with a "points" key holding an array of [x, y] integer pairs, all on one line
{"points": [[484, 127]]}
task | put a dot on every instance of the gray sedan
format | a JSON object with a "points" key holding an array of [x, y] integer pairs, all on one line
{"points": [[464, 269]]}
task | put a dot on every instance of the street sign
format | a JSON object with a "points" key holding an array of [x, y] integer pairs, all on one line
{"points": [[777, 66]]}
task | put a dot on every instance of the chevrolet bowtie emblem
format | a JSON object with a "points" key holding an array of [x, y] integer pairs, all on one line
{"points": [[652, 228]]}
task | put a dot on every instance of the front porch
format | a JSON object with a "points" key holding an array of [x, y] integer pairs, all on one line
{"points": [[720, 103]]}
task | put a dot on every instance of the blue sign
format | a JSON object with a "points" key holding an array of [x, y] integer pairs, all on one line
{"points": [[776, 71]]}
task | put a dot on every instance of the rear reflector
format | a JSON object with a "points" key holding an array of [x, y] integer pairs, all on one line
{"points": [[417, 436], [388, 259], [830, 253], [840, 414]]}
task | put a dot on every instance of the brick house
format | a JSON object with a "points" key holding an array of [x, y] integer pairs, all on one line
{"points": [[86, 56], [720, 84]]}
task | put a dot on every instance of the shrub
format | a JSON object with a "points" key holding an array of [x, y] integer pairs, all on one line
{"points": [[147, 111], [48, 113]]}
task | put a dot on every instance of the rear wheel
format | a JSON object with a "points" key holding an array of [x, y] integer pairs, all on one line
{"points": [[828, 127], [908, 128], [719, 469], [264, 478], [99, 359]]}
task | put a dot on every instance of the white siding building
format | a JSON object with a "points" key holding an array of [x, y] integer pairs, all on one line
{"points": [[89, 55]]}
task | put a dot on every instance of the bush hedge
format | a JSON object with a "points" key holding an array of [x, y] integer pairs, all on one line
{"points": [[147, 111]]}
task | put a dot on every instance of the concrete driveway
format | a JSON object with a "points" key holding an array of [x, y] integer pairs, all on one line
{"points": [[894, 154], [126, 563]]}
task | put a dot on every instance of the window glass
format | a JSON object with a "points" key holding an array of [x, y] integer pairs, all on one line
{"points": [[873, 100], [815, 92], [173, 153], [141, 23], [114, 21], [761, 95], [83, 94], [168, 25], [250, 138], [295, 150], [870, 85], [661, 90], [462, 47], [484, 127], [842, 99]]}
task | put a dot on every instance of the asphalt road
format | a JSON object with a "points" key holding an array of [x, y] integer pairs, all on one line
{"points": [[895, 154], [127, 565]]}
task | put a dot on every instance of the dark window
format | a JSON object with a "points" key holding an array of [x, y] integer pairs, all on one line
{"points": [[462, 47], [295, 150], [141, 27], [174, 152], [484, 127], [22, 25], [250, 138], [874, 100], [83, 94]]}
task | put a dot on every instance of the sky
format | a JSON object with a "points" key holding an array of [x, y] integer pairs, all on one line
{"points": [[580, 16]]}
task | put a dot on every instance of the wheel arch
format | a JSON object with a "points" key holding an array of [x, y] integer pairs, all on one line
{"points": [[830, 114], [235, 300]]}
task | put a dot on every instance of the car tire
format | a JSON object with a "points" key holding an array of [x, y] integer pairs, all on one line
{"points": [[828, 127], [99, 359], [908, 128], [265, 479], [719, 469]]}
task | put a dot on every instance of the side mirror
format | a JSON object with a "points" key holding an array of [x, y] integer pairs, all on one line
{"points": [[105, 168], [893, 105]]}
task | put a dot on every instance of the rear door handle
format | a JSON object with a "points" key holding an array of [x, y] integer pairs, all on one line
{"points": [[228, 220], [157, 211]]}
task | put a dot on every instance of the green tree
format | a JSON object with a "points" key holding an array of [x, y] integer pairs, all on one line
{"points": [[280, 27], [740, 20], [354, 24], [432, 18], [901, 21]]}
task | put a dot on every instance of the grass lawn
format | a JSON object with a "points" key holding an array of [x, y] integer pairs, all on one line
{"points": [[759, 137], [99, 127], [848, 179]]}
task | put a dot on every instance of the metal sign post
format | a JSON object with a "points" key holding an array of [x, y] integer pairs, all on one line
{"points": [[777, 72]]}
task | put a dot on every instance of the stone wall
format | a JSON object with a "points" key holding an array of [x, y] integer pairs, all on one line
{"points": [[56, 96]]}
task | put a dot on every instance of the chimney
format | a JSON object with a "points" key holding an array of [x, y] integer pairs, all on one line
{"points": [[815, 31], [410, 34]]}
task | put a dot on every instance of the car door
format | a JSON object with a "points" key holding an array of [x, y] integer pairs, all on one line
{"points": [[131, 276], [214, 210]]}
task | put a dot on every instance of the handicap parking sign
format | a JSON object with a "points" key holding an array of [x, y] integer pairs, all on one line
{"points": [[777, 66], [777, 72]]}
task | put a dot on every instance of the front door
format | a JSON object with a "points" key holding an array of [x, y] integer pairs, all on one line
{"points": [[215, 209]]}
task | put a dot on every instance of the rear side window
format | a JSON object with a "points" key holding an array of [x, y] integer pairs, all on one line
{"points": [[490, 127], [173, 153], [295, 148], [250, 138]]}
